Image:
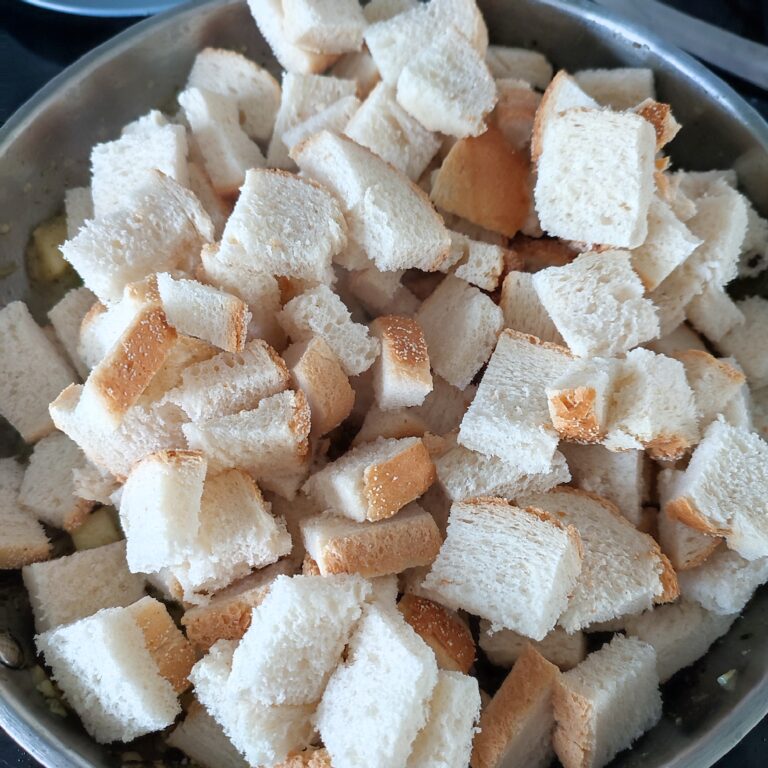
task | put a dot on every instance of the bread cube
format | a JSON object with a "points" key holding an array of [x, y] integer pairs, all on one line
{"points": [[478, 263], [747, 342], [66, 316], [504, 647], [520, 64], [714, 313], [325, 26], [382, 293], [620, 88]]}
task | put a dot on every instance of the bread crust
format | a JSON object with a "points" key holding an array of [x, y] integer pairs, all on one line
{"points": [[574, 415], [540, 253], [537, 341], [544, 113], [312, 757], [659, 115], [405, 342], [667, 447], [237, 325], [573, 738], [13, 556], [684, 510]]}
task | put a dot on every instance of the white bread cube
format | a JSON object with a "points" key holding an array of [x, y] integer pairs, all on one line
{"points": [[509, 417], [399, 422], [384, 127], [747, 342], [447, 87], [70, 588], [519, 64], [163, 229], [47, 490], [33, 373], [517, 724], [407, 540], [284, 225], [595, 177], [477, 262], [377, 701], [622, 317], [713, 313], [477, 566], [66, 316], [606, 703], [78, 206], [373, 196], [255, 90], [375, 480], [216, 206], [446, 739], [619, 88], [444, 407], [333, 118], [623, 570], [359, 67], [320, 312], [324, 26], [503, 647], [515, 115], [680, 634], [680, 339], [93, 483], [401, 373], [382, 293], [461, 325], [523, 310]]}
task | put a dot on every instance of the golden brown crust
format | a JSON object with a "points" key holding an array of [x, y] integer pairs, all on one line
{"points": [[96, 309], [301, 423], [574, 415], [13, 556], [442, 630], [703, 357], [531, 339], [515, 113], [574, 738], [667, 447], [660, 116], [78, 514], [237, 325], [309, 567], [312, 757], [404, 340], [668, 577], [544, 112], [684, 510], [537, 253]]}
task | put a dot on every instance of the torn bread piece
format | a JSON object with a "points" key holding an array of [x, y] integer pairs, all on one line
{"points": [[520, 64], [359, 67], [382, 293], [66, 316], [523, 310], [747, 342], [620, 88], [515, 111], [660, 116], [324, 27], [477, 262], [714, 314]]}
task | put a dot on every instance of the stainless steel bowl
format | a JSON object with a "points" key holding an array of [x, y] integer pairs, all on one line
{"points": [[44, 149]]}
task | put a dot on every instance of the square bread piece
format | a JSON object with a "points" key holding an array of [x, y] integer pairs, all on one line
{"points": [[747, 342], [479, 263], [523, 310], [497, 556], [713, 313], [529, 66], [325, 26], [66, 317], [382, 293], [374, 480]]}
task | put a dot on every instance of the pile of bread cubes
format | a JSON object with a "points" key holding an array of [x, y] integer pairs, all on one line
{"points": [[428, 351]]}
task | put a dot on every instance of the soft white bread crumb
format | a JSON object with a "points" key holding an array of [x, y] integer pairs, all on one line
{"points": [[509, 416], [320, 312], [375, 480], [78, 205], [216, 206], [477, 566], [359, 67], [283, 225], [32, 373], [389, 217], [503, 647], [620, 88], [714, 313], [47, 491], [747, 343], [377, 701], [477, 262], [67, 316], [93, 483], [381, 10], [324, 26], [519, 64], [517, 723], [680, 634], [255, 90], [514, 115], [447, 86], [680, 339], [606, 703], [523, 310], [333, 118], [623, 570], [382, 293], [620, 317], [70, 588], [460, 324]]}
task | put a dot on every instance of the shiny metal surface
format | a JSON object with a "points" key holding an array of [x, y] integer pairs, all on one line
{"points": [[44, 149]]}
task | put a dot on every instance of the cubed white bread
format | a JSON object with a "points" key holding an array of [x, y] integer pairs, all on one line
{"points": [[680, 634], [269, 442], [227, 615], [619, 316], [70, 588], [477, 262], [399, 422], [401, 373], [667, 245], [381, 10], [216, 206], [747, 343], [381, 293], [255, 90], [623, 478], [623, 570], [406, 540], [445, 406], [324, 26], [24, 540], [296, 638], [260, 291], [509, 417], [725, 582], [47, 491], [377, 701], [118, 168], [465, 474], [112, 668], [163, 227], [515, 114], [320, 312], [461, 325], [754, 248], [722, 491], [67, 316], [383, 126], [93, 483], [359, 67], [680, 339], [202, 739], [479, 565], [520, 64], [445, 741], [317, 371], [160, 509], [714, 314], [397, 40], [389, 217], [333, 118], [78, 206], [230, 382], [516, 726], [619, 88], [447, 86], [33, 373], [523, 310], [283, 224], [503, 647], [738, 411], [595, 177], [375, 480], [606, 703]]}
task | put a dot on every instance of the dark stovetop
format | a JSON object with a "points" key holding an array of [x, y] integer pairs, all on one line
{"points": [[36, 44]]}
